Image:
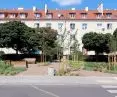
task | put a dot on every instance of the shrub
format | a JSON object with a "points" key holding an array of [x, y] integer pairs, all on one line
{"points": [[7, 69], [76, 64]]}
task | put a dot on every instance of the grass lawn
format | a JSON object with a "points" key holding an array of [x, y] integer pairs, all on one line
{"points": [[7, 69]]}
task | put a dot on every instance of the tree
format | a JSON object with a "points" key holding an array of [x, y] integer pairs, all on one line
{"points": [[74, 49], [47, 43], [114, 41], [98, 42], [115, 33], [14, 34]]}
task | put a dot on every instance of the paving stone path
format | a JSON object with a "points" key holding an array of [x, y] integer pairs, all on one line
{"points": [[38, 69]]}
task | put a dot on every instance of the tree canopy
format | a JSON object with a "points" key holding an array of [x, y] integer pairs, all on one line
{"points": [[12, 35], [20, 37], [114, 41], [47, 37], [98, 42]]}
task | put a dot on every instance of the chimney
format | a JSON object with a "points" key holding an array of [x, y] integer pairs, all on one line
{"points": [[34, 8], [73, 9], [86, 9], [46, 8], [20, 8]]}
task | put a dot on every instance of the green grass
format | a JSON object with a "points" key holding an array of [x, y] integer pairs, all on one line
{"points": [[100, 66], [76, 64], [7, 69], [113, 70], [90, 66], [95, 66]]}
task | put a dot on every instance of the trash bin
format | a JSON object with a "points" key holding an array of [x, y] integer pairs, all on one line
{"points": [[51, 71]]}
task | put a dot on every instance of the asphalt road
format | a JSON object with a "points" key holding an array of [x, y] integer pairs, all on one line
{"points": [[58, 91]]}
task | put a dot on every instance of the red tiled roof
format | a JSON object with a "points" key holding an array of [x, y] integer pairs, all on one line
{"points": [[90, 15]]}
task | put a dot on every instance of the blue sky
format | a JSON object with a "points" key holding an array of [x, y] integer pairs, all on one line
{"points": [[60, 4]]}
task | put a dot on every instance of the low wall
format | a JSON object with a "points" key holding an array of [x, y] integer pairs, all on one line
{"points": [[16, 57], [96, 58]]}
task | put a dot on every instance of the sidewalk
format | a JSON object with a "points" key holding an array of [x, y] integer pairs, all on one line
{"points": [[51, 80]]}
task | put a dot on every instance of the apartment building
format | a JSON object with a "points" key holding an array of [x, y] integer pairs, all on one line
{"points": [[76, 22]]}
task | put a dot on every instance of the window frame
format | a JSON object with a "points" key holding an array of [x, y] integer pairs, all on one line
{"points": [[60, 26], [72, 15], [84, 26], [37, 15], [109, 26], [72, 26]]}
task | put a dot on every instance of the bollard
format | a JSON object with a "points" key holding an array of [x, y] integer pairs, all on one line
{"points": [[51, 71], [26, 64]]}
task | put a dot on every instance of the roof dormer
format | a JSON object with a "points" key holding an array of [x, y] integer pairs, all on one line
{"points": [[37, 15], [72, 15], [108, 15], [84, 15]]}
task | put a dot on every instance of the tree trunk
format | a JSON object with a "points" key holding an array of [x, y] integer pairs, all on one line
{"points": [[97, 56], [16, 51], [41, 58]]}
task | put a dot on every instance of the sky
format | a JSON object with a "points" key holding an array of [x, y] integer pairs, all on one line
{"points": [[59, 4]]}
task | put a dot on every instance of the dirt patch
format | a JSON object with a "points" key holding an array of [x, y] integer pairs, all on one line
{"points": [[92, 73]]}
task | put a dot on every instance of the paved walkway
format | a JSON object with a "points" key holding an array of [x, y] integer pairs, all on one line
{"points": [[38, 69]]}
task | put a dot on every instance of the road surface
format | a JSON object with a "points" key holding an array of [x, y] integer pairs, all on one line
{"points": [[57, 91], [58, 86]]}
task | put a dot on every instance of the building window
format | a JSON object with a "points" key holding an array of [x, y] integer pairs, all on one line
{"points": [[109, 26], [83, 15], [60, 26], [48, 25], [84, 26], [2, 15], [98, 15], [37, 15], [72, 26], [12, 15], [22, 15], [72, 15], [108, 15], [99, 25], [49, 15], [36, 25]]}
